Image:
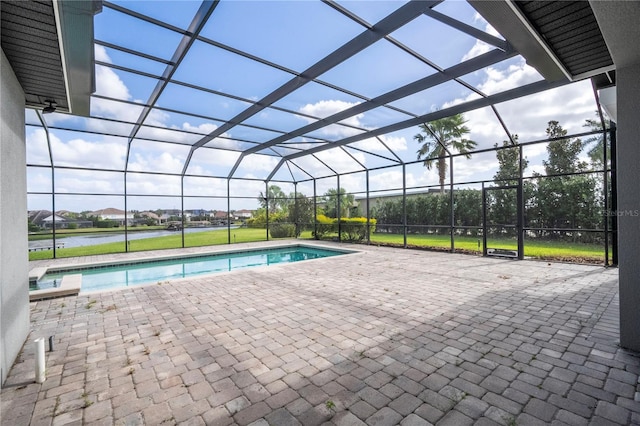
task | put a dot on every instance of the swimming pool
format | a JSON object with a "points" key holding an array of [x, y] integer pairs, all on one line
{"points": [[111, 276]]}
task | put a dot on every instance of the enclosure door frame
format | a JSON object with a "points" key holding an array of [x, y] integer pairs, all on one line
{"points": [[519, 225]]}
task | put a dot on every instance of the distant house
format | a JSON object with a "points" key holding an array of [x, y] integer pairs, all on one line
{"points": [[197, 212], [219, 217], [243, 214], [173, 212], [114, 214], [45, 219], [152, 216], [37, 216], [47, 222]]}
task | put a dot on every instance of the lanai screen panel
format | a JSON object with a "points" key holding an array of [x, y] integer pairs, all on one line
{"points": [[264, 91]]}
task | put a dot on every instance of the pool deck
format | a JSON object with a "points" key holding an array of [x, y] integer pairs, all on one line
{"points": [[382, 337]]}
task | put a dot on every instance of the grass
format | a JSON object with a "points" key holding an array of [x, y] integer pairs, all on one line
{"points": [[558, 250], [532, 248]]}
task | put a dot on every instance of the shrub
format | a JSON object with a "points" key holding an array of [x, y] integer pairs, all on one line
{"points": [[282, 230], [259, 219], [324, 225], [353, 228], [106, 224], [257, 222]]}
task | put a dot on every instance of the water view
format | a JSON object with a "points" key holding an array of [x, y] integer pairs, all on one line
{"points": [[82, 240]]}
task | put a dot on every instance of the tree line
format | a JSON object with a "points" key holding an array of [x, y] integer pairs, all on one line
{"points": [[557, 204], [290, 215]]}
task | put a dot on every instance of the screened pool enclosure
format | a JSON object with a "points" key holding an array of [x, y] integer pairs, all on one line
{"points": [[310, 115]]}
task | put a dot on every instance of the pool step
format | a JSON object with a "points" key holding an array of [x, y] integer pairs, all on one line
{"points": [[35, 274], [70, 286]]}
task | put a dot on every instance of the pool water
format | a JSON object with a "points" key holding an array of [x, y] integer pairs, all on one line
{"points": [[95, 278]]}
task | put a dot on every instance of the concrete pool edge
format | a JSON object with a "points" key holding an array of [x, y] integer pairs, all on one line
{"points": [[70, 286], [149, 257]]}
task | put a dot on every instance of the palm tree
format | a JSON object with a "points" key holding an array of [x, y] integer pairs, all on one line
{"points": [[440, 135]]}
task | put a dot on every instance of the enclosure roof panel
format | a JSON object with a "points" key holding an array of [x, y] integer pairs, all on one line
{"points": [[268, 89]]}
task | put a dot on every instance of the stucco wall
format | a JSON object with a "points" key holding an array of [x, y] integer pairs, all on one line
{"points": [[14, 260], [628, 91]]}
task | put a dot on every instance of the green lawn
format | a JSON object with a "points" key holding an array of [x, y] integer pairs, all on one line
{"points": [[558, 250]]}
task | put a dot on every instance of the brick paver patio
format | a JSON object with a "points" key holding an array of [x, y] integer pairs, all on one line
{"points": [[382, 337]]}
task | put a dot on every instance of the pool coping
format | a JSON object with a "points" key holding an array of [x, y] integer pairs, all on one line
{"points": [[73, 286], [69, 286]]}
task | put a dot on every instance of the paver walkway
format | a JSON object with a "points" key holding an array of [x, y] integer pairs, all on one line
{"points": [[382, 337]]}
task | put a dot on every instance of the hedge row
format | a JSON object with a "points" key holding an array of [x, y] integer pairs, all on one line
{"points": [[352, 228]]}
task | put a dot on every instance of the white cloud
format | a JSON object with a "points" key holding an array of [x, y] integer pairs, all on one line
{"points": [[37, 150], [205, 186], [336, 158], [480, 46], [249, 188], [216, 162], [395, 143], [515, 75], [254, 163], [153, 184], [526, 116], [204, 128], [351, 182], [157, 162], [487, 27], [391, 179], [39, 180], [326, 108], [108, 153], [340, 161], [101, 55], [477, 166], [79, 152], [68, 181], [108, 83], [323, 109], [478, 49], [428, 177], [312, 166]]}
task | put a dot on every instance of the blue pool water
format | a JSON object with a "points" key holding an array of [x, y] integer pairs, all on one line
{"points": [[95, 278]]}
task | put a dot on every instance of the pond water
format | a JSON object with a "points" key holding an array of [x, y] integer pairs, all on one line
{"points": [[112, 237]]}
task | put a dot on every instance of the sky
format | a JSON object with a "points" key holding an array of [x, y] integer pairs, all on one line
{"points": [[293, 35]]}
